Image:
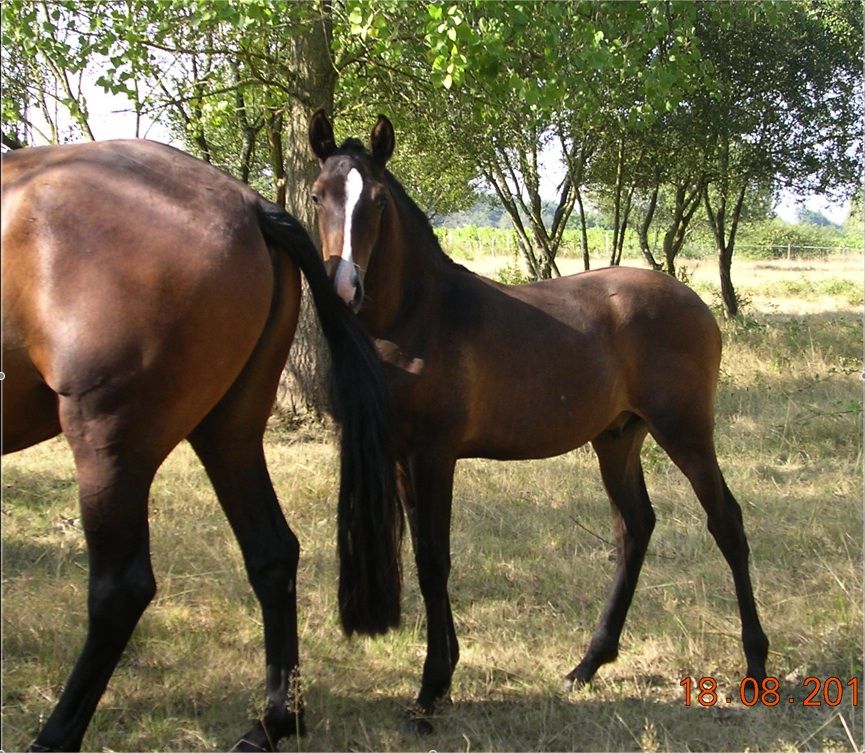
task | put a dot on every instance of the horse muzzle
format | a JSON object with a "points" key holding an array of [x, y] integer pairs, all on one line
{"points": [[347, 281]]}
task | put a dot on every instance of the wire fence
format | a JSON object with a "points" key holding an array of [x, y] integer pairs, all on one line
{"points": [[788, 251], [472, 241]]}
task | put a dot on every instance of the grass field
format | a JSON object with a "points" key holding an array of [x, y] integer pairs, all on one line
{"points": [[531, 567]]}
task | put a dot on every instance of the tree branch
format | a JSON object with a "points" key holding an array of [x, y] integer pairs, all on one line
{"points": [[10, 141]]}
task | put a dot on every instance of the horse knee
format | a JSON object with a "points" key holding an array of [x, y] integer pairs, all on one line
{"points": [[116, 602], [272, 574]]}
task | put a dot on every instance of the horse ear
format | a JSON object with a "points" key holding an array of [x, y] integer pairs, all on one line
{"points": [[382, 140], [321, 136]]}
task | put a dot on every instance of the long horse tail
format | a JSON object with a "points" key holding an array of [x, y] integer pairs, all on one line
{"points": [[369, 516]]}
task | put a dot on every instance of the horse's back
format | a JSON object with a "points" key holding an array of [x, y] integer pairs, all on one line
{"points": [[135, 280], [628, 309]]}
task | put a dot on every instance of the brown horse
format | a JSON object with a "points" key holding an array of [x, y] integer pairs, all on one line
{"points": [[480, 369], [148, 298]]}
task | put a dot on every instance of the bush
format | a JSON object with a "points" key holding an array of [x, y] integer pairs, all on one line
{"points": [[774, 239], [471, 241]]}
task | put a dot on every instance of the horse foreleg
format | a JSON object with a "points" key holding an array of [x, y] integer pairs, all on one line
{"points": [[633, 521], [429, 512], [271, 552], [113, 499]]}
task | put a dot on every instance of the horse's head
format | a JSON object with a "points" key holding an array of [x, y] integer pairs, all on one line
{"points": [[350, 197]]}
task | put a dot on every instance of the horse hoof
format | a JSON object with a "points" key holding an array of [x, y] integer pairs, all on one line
{"points": [[574, 682], [266, 738], [416, 725], [37, 748]]}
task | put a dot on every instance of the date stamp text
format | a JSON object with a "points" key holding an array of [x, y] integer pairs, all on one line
{"points": [[827, 691]]}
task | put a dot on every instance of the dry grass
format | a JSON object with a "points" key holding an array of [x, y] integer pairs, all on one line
{"points": [[531, 568]]}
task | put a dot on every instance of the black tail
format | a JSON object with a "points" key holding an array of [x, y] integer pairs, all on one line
{"points": [[369, 517]]}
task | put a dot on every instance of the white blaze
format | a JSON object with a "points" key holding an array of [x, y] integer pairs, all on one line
{"points": [[346, 274]]}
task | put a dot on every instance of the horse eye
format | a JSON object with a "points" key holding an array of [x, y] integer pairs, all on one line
{"points": [[315, 198], [381, 201]]}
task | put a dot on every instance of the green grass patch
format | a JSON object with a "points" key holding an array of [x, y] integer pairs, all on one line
{"points": [[850, 291]]}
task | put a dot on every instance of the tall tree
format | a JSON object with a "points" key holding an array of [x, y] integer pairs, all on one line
{"points": [[671, 190], [606, 73], [517, 82], [236, 82], [784, 107], [44, 64]]}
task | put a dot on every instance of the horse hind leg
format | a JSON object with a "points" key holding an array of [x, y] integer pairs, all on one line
{"points": [[689, 443], [229, 443], [113, 499], [271, 552], [618, 452]]}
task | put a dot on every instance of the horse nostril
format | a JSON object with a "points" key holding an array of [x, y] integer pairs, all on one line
{"points": [[357, 301]]}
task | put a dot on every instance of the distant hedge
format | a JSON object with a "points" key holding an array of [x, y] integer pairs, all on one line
{"points": [[766, 239]]}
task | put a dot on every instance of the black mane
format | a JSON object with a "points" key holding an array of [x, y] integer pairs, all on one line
{"points": [[353, 145], [420, 224]]}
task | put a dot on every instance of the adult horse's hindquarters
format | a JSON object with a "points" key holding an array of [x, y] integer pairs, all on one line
{"points": [[148, 298]]}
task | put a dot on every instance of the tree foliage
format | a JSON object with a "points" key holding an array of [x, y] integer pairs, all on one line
{"points": [[660, 114], [784, 109]]}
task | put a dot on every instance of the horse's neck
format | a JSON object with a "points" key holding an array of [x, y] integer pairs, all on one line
{"points": [[409, 281]]}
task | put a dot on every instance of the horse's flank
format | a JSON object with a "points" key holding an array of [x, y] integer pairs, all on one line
{"points": [[552, 344]]}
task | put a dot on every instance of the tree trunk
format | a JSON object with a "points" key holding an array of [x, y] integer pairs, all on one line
{"points": [[494, 175], [643, 231], [584, 235], [512, 171], [674, 238], [307, 55], [623, 214], [273, 128], [617, 201], [725, 243], [728, 292]]}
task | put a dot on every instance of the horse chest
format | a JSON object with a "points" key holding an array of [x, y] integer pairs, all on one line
{"points": [[428, 384]]}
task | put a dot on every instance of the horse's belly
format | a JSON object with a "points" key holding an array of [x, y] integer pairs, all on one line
{"points": [[530, 426], [540, 401], [29, 406]]}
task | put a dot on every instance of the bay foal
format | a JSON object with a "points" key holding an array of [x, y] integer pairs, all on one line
{"points": [[480, 369]]}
